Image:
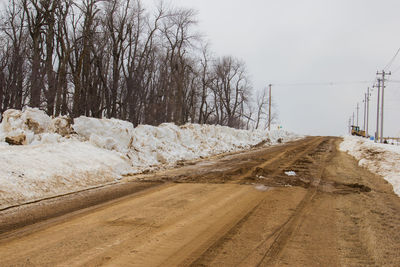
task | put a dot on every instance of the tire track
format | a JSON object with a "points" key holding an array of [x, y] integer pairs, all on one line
{"points": [[284, 233], [304, 149], [281, 234]]}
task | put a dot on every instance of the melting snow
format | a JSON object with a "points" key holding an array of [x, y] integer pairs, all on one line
{"points": [[290, 173], [59, 157], [261, 187], [382, 159]]}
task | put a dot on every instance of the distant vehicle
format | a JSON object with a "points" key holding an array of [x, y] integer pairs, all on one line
{"points": [[355, 130]]}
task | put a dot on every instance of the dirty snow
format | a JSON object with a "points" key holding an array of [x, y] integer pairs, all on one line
{"points": [[262, 187], [382, 159], [29, 173], [59, 157]]}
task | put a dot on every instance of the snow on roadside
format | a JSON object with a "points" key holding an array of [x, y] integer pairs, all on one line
{"points": [[28, 173], [149, 146], [58, 157], [382, 159]]}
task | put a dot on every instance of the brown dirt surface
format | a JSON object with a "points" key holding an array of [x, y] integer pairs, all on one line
{"points": [[238, 209]]}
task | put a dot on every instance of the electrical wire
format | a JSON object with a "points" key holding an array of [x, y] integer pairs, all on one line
{"points": [[396, 70], [321, 83], [392, 60]]}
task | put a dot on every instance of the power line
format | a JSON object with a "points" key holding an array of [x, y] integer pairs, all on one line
{"points": [[393, 81], [396, 70], [392, 60], [321, 83]]}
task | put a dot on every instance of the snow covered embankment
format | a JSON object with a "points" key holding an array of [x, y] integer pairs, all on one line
{"points": [[381, 159], [57, 158]]}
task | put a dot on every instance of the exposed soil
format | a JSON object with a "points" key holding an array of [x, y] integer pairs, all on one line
{"points": [[240, 209]]}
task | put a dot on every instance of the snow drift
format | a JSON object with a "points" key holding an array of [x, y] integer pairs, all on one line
{"points": [[381, 159], [57, 157]]}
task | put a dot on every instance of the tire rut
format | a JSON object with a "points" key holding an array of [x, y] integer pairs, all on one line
{"points": [[321, 150], [284, 234]]}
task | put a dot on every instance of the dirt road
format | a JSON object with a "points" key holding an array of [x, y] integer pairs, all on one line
{"points": [[242, 209]]}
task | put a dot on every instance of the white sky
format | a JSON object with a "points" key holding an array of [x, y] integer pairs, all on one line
{"points": [[303, 41]]}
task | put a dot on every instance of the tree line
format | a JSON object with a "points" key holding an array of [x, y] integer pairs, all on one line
{"points": [[115, 58]]}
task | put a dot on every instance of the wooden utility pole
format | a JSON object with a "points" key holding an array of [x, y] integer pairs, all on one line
{"points": [[383, 73], [349, 126], [366, 129], [269, 108], [358, 108], [365, 110], [377, 110]]}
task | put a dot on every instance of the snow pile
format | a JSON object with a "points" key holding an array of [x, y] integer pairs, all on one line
{"points": [[149, 146], [29, 173], [28, 123], [110, 134], [55, 157], [32, 126], [382, 159]]}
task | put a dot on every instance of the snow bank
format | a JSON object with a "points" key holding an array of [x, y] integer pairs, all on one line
{"points": [[27, 123], [382, 159], [149, 146], [29, 173], [110, 134], [57, 157], [32, 126]]}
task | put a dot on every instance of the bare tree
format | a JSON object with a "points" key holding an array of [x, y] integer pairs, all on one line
{"points": [[177, 31], [261, 103], [231, 89], [83, 37], [49, 9], [13, 57], [63, 50], [113, 58], [207, 77], [35, 20], [140, 66]]}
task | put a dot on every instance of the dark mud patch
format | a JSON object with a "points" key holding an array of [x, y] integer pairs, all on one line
{"points": [[356, 186], [344, 188]]}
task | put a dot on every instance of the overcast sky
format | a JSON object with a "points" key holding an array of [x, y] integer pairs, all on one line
{"points": [[307, 41]]}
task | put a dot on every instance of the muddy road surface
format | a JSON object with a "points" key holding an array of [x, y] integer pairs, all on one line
{"points": [[303, 203]]}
